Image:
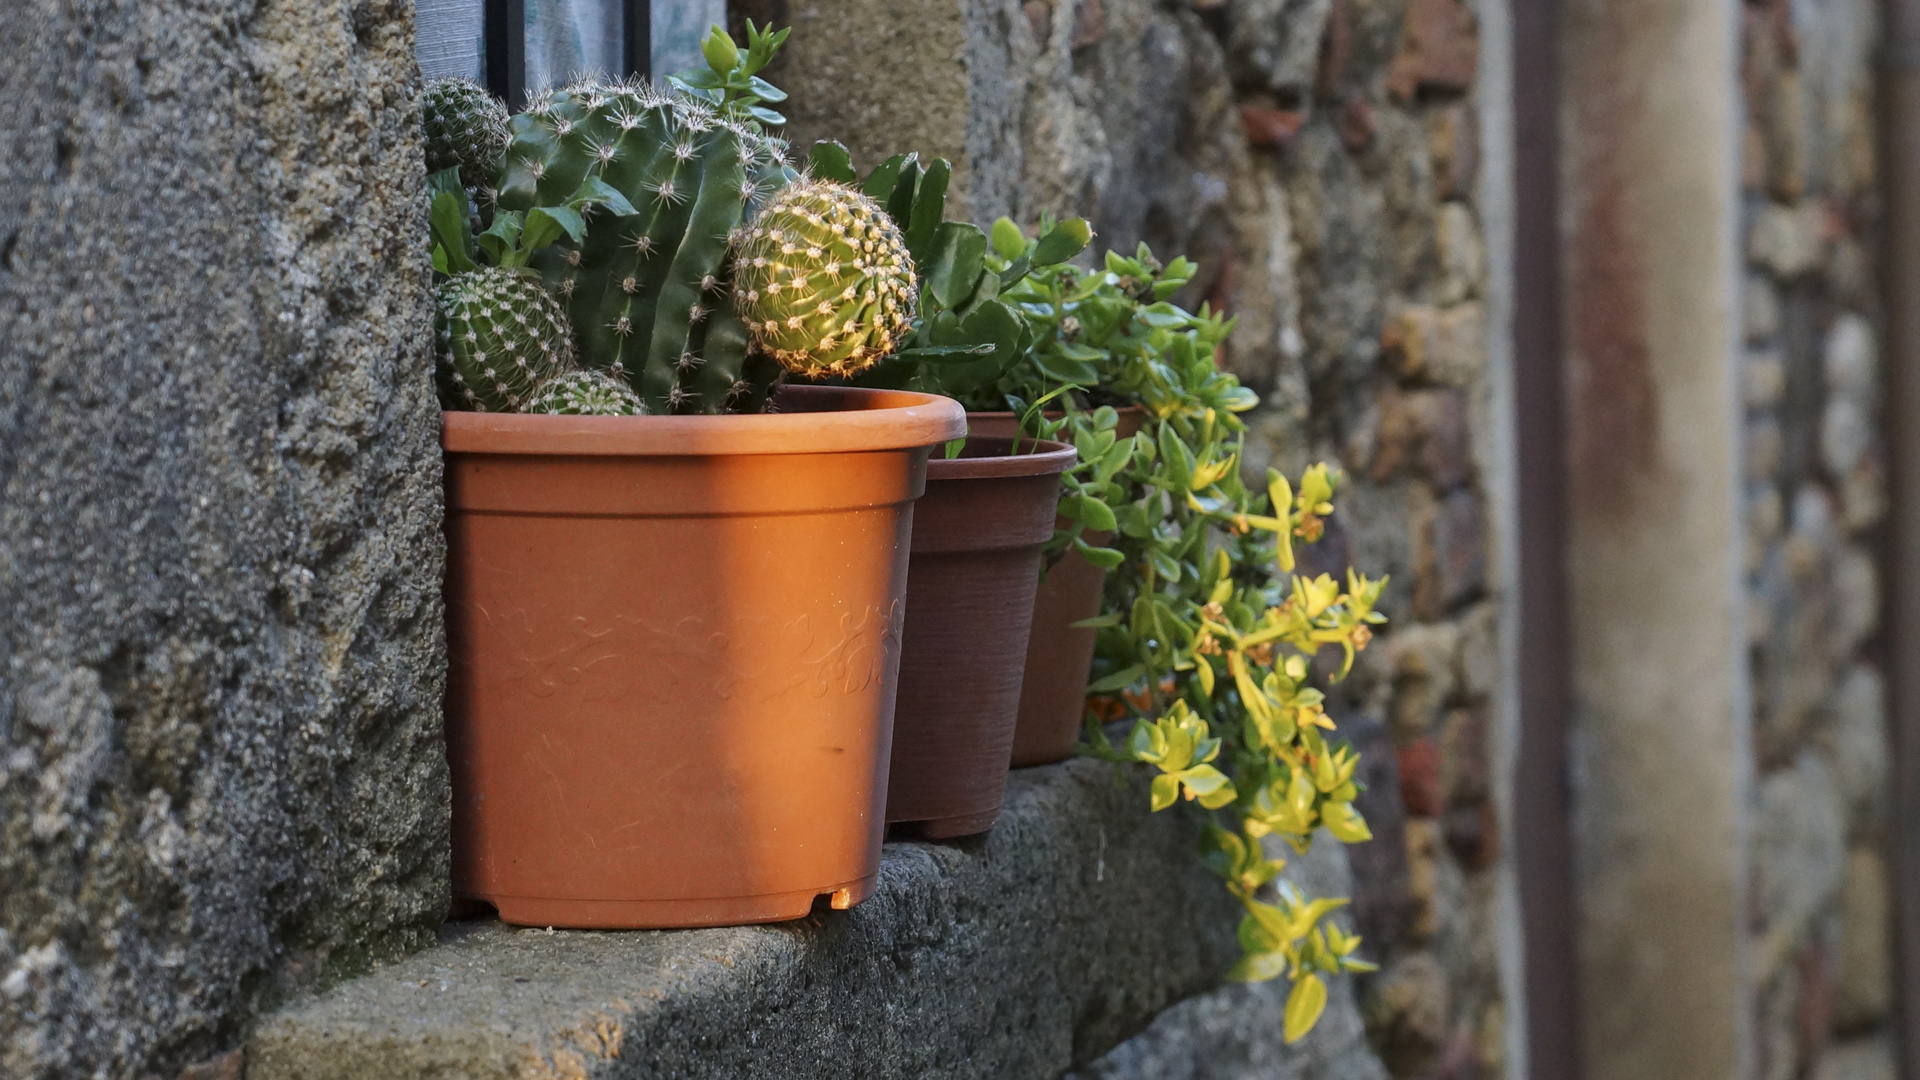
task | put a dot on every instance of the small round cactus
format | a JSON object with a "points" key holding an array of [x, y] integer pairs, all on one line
{"points": [[823, 280], [500, 335], [585, 393], [466, 128]]}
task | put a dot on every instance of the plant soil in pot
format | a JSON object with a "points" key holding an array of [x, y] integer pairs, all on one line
{"points": [[1053, 695], [977, 538], [673, 646]]}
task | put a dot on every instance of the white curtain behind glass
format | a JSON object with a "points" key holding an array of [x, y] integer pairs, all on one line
{"points": [[566, 38], [451, 38], [563, 37], [678, 28]]}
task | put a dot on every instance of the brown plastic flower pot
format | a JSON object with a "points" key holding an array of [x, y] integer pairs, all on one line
{"points": [[977, 536], [673, 645], [1053, 696]]}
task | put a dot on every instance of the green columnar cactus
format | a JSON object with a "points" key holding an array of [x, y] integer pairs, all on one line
{"points": [[584, 393], [648, 291], [500, 336], [824, 280], [466, 129]]}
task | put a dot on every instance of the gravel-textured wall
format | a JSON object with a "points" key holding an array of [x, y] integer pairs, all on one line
{"points": [[1822, 929], [221, 776], [1321, 160]]}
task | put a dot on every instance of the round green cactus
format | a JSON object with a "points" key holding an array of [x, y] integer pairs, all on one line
{"points": [[466, 128], [585, 393], [823, 280], [500, 336]]}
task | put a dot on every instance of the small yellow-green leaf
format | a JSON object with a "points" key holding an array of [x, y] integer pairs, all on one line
{"points": [[1008, 240], [1166, 788], [1326, 773], [1304, 1006], [1306, 916], [1258, 967], [1204, 780], [1345, 823], [1203, 674]]}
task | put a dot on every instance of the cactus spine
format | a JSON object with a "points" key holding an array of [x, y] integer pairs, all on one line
{"points": [[466, 128], [584, 393], [824, 280], [500, 336], [647, 292]]}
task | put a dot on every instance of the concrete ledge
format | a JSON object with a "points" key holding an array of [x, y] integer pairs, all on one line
{"points": [[1069, 928], [1044, 943]]}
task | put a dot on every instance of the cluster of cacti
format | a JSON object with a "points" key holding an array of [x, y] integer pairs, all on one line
{"points": [[648, 291], [466, 129], [824, 280], [637, 206], [501, 336]]}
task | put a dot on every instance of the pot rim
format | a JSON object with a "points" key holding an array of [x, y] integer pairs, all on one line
{"points": [[828, 420], [1052, 459]]}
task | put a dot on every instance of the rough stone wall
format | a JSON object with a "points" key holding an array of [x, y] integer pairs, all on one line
{"points": [[221, 775], [1822, 934], [1320, 159]]}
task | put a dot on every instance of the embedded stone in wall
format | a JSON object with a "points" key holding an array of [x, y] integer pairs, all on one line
{"points": [[1275, 44], [1765, 383], [1441, 49], [1421, 658], [1423, 431], [1760, 308], [1855, 741], [1463, 254], [1851, 360], [1787, 240], [1799, 833], [1863, 964], [1442, 345], [1861, 1059], [1407, 1014], [1450, 557]]}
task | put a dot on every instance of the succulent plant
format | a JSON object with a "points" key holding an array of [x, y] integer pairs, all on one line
{"points": [[500, 336], [466, 129], [648, 291], [584, 393], [824, 280]]}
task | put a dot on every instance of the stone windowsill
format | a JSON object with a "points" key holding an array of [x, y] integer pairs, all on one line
{"points": [[1023, 953]]}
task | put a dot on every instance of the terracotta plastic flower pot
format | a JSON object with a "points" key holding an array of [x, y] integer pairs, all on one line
{"points": [[977, 535], [1053, 697], [673, 644]]}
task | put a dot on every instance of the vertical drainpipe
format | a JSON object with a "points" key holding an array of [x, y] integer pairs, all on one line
{"points": [[1543, 847], [1901, 179]]}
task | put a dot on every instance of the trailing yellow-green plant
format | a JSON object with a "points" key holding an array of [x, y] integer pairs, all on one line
{"points": [[1209, 633]]}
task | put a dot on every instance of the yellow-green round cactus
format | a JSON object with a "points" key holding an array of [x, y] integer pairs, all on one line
{"points": [[823, 280]]}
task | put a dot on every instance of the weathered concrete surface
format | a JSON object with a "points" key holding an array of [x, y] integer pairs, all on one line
{"points": [[1017, 954], [220, 648], [1661, 747]]}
